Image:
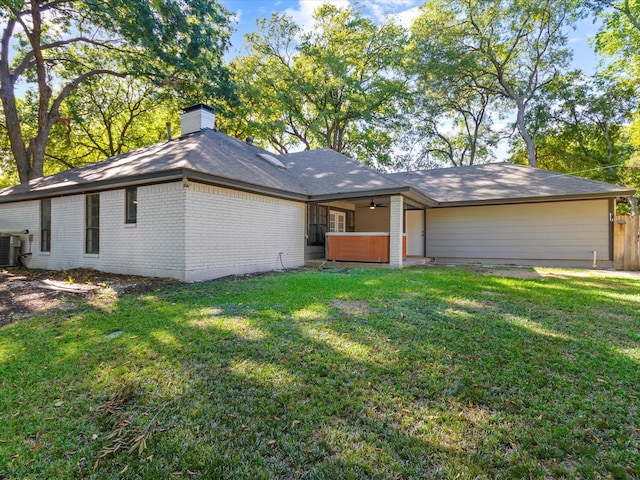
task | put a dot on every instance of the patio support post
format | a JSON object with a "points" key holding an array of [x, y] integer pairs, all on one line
{"points": [[396, 212]]}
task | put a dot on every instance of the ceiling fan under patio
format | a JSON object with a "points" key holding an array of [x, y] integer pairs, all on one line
{"points": [[373, 205]]}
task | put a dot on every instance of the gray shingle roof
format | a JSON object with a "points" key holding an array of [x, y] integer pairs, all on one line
{"points": [[503, 182], [323, 174], [207, 152], [327, 172]]}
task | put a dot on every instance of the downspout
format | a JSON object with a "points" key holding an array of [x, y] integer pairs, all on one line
{"points": [[612, 216]]}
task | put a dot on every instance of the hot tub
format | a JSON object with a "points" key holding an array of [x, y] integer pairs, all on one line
{"points": [[360, 246]]}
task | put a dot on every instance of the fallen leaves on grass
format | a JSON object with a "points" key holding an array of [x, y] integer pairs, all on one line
{"points": [[125, 392], [124, 436]]}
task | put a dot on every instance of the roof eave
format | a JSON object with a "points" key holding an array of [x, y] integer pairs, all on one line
{"points": [[150, 179], [536, 199], [407, 191], [239, 185], [90, 187]]}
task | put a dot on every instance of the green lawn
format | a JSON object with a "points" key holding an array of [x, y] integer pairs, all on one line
{"points": [[413, 373]]}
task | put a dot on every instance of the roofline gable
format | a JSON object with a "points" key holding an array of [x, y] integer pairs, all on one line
{"points": [[287, 185], [166, 176]]}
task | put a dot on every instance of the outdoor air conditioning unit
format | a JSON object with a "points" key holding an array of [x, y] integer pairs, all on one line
{"points": [[9, 250]]}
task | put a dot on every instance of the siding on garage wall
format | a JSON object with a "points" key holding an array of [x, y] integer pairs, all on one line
{"points": [[154, 246], [230, 232], [555, 233]]}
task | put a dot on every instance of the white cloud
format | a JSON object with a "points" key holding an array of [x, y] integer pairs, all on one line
{"points": [[401, 12], [383, 8], [393, 4], [303, 15], [378, 11], [406, 17], [236, 17]]}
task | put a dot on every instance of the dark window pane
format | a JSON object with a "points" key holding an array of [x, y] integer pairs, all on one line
{"points": [[318, 224], [45, 225], [131, 215], [92, 216]]}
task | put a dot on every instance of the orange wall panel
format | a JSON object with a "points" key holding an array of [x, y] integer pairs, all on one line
{"points": [[360, 248]]}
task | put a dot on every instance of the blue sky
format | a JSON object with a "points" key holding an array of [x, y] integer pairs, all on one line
{"points": [[247, 11], [404, 11]]}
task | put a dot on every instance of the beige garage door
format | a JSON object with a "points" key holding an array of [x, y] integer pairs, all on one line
{"points": [[552, 232]]}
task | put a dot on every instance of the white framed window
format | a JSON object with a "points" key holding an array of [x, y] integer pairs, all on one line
{"points": [[337, 221]]}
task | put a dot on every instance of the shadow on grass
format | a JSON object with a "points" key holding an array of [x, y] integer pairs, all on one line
{"points": [[265, 379]]}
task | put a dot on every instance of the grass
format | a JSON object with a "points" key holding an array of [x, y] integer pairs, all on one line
{"points": [[413, 373]]}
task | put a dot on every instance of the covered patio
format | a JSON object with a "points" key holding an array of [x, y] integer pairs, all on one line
{"points": [[371, 231]]}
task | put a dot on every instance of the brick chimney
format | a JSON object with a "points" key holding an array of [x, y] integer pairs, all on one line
{"points": [[196, 118]]}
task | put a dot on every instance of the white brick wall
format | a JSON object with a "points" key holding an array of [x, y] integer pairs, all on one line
{"points": [[64, 237], [67, 235], [223, 231], [396, 213], [153, 247], [232, 232]]}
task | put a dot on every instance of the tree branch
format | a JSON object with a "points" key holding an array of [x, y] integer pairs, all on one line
{"points": [[70, 87], [29, 57], [626, 11]]}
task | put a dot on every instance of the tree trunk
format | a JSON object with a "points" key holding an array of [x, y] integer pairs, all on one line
{"points": [[29, 159], [37, 147], [18, 148], [528, 141], [9, 108]]}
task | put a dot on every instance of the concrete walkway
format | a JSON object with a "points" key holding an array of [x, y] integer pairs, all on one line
{"points": [[587, 272], [542, 271]]}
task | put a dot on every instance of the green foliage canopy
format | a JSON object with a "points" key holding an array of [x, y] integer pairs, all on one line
{"points": [[336, 86], [52, 47], [508, 49], [452, 103], [619, 38], [108, 116]]}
